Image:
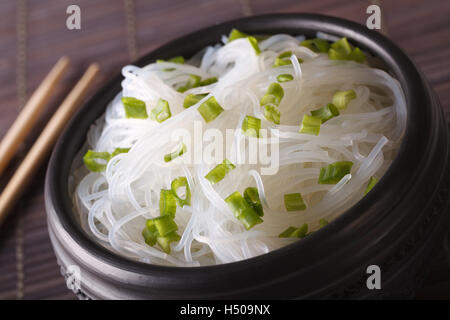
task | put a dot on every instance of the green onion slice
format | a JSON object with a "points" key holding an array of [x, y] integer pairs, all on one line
{"points": [[294, 202], [273, 95], [161, 112], [207, 81], [317, 45], [177, 59], [236, 34], [251, 195], [243, 211], [91, 158], [251, 126], [210, 109], [285, 77], [343, 46], [167, 203], [192, 99], [272, 113], [164, 242], [287, 233], [254, 44], [372, 182], [170, 156], [285, 54], [284, 62], [310, 125], [342, 98], [322, 223], [119, 151], [161, 230], [342, 50], [300, 232], [293, 232], [193, 82], [181, 182], [219, 172], [134, 108], [357, 55], [334, 172], [164, 225], [326, 113], [150, 233]]}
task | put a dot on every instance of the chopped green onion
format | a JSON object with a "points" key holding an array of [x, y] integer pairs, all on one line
{"points": [[287, 233], [272, 113], [286, 54], [342, 46], [254, 44], [336, 55], [177, 59], [284, 62], [164, 225], [219, 171], [150, 233], [284, 59], [334, 172], [242, 210], [91, 157], [285, 77], [207, 81], [161, 230], [236, 34], [134, 108], [192, 99], [357, 55], [210, 109], [161, 112], [372, 182], [342, 98], [164, 242], [342, 50], [181, 182], [301, 232], [322, 223], [273, 95], [293, 232], [167, 203], [316, 45], [310, 125], [294, 202], [251, 195], [281, 62], [326, 113], [251, 126], [170, 156], [119, 151], [193, 82]]}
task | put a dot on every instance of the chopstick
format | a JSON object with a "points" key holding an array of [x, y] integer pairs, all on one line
{"points": [[38, 152], [30, 113]]}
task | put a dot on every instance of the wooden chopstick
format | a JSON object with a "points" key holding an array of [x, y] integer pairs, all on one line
{"points": [[30, 113], [38, 152]]}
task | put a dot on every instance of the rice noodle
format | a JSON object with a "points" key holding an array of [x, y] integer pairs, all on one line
{"points": [[113, 205]]}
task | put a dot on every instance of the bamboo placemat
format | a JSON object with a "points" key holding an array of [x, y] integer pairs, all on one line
{"points": [[33, 35]]}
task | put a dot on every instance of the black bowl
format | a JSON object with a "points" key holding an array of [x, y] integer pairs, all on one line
{"points": [[395, 226]]}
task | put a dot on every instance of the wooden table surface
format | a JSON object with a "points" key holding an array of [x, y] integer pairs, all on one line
{"points": [[33, 35]]}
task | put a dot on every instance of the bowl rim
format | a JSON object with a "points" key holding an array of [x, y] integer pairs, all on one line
{"points": [[399, 64]]}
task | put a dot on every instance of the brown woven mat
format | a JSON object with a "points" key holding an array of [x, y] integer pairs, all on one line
{"points": [[33, 35]]}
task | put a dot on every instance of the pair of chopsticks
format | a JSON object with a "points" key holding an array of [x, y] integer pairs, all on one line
{"points": [[43, 145]]}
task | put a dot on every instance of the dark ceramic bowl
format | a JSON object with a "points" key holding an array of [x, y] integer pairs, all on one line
{"points": [[395, 226]]}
